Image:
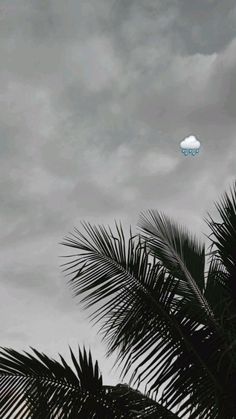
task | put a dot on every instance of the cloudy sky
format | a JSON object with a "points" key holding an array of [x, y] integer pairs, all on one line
{"points": [[95, 97]]}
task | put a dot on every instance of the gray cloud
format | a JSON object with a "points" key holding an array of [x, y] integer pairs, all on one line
{"points": [[95, 99]]}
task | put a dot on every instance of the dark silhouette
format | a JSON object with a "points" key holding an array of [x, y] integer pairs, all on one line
{"points": [[171, 318]]}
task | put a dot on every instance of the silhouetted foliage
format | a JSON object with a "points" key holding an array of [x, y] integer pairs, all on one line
{"points": [[171, 320]]}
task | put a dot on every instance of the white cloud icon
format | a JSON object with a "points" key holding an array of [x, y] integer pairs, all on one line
{"points": [[190, 142], [190, 145]]}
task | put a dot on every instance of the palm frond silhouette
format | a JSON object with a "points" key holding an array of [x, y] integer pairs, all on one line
{"points": [[171, 320]]}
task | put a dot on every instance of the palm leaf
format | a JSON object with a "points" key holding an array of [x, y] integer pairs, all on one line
{"points": [[182, 255], [221, 281], [37, 387], [223, 239], [142, 318], [40, 387]]}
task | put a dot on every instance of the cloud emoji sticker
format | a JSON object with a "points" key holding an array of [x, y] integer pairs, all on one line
{"points": [[190, 146]]}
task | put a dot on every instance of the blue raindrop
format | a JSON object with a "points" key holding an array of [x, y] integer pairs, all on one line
{"points": [[190, 151]]}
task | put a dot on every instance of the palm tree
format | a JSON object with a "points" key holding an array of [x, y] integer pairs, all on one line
{"points": [[35, 386], [165, 305]]}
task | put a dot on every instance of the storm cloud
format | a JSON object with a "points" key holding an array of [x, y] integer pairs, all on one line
{"points": [[95, 99]]}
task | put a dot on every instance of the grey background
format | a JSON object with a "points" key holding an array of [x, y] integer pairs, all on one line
{"points": [[95, 98]]}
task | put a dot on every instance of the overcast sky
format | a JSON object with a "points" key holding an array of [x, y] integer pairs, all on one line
{"points": [[95, 97]]}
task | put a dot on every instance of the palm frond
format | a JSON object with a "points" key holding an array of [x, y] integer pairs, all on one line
{"points": [[215, 291], [221, 280], [182, 255], [141, 317], [140, 405], [223, 238], [37, 387]]}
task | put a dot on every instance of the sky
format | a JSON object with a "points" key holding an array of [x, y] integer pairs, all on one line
{"points": [[95, 97]]}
